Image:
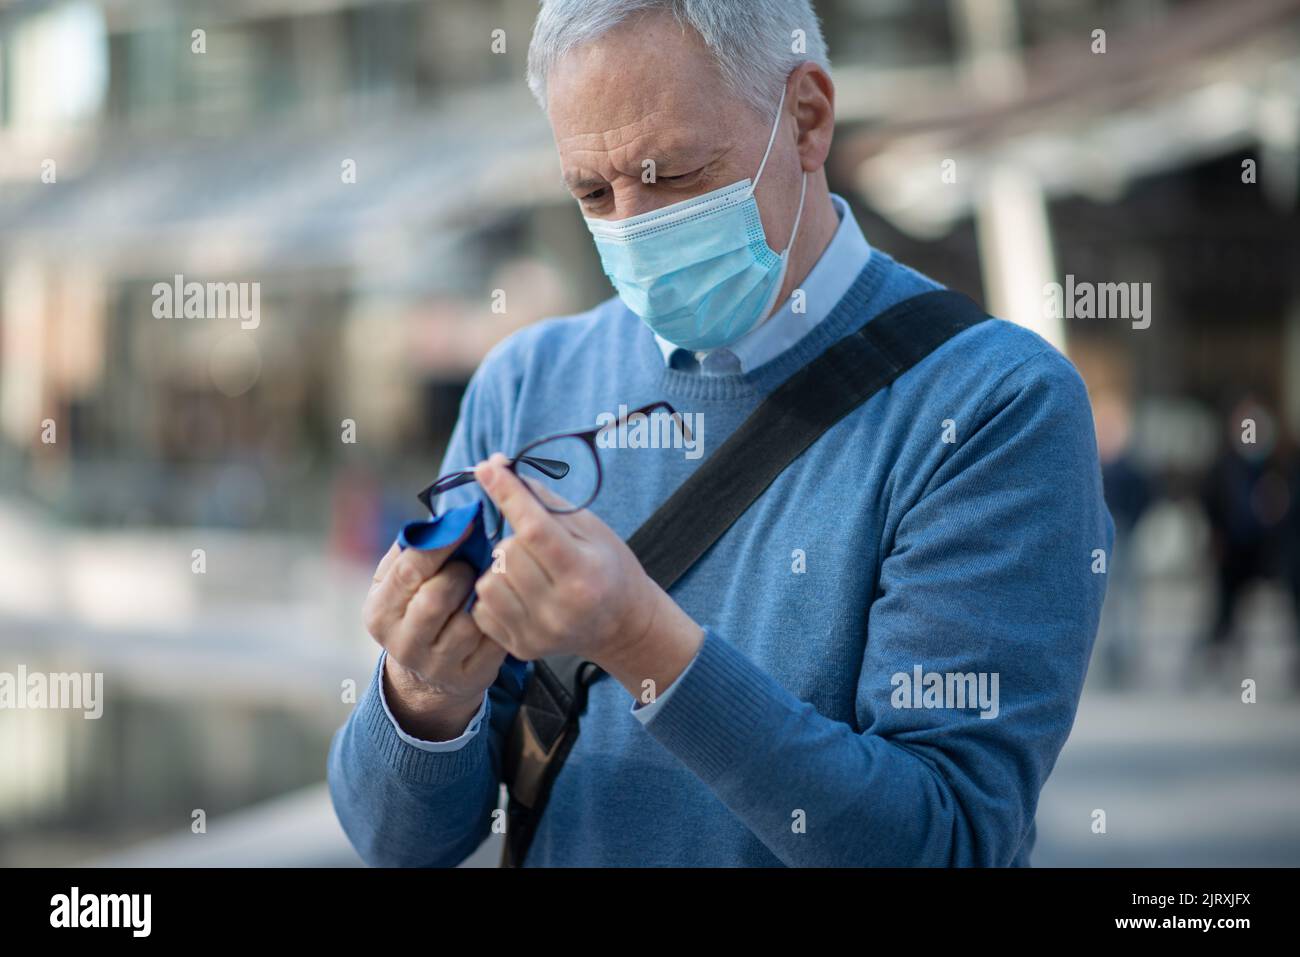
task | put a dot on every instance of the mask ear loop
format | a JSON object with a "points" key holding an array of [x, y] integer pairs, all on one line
{"points": [[776, 125], [803, 189]]}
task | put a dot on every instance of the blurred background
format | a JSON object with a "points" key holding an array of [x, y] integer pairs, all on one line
{"points": [[181, 509]]}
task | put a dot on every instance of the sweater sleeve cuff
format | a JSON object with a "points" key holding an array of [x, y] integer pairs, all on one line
{"points": [[717, 707], [414, 764]]}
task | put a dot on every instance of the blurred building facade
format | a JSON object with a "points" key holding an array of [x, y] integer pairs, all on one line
{"points": [[379, 171]]}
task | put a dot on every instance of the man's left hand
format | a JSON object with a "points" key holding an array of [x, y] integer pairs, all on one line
{"points": [[564, 583]]}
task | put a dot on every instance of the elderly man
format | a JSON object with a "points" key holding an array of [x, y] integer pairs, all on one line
{"points": [[788, 699]]}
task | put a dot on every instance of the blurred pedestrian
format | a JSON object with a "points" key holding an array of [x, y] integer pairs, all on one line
{"points": [[1247, 501]]}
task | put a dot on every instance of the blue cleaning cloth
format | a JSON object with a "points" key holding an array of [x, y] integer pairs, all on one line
{"points": [[476, 551], [441, 530]]}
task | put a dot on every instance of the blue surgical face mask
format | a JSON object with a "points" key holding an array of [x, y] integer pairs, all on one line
{"points": [[699, 273]]}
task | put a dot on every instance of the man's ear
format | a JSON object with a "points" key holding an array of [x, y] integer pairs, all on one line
{"points": [[813, 95]]}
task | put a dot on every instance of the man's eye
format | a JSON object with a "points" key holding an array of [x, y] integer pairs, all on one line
{"points": [[594, 195], [680, 177]]}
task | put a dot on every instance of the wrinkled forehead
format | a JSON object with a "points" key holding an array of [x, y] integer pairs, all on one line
{"points": [[649, 73]]}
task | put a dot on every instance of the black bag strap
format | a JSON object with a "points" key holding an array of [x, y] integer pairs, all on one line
{"points": [[708, 503]]}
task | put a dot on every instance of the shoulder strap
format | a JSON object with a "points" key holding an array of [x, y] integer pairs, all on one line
{"points": [[708, 503]]}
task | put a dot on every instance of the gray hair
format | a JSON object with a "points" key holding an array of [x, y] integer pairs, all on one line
{"points": [[753, 41]]}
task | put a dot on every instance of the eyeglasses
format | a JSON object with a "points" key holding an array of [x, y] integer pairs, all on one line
{"points": [[561, 471]]}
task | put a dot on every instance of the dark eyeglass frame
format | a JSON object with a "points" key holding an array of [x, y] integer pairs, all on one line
{"points": [[551, 468]]}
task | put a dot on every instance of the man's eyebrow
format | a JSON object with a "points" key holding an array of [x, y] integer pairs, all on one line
{"points": [[669, 159], [577, 182]]}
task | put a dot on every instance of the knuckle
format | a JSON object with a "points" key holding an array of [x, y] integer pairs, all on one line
{"points": [[406, 574], [486, 588], [531, 533], [551, 621], [581, 592], [447, 589], [430, 602], [454, 630]]}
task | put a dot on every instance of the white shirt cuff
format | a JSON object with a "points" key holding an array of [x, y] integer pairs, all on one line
{"points": [[455, 744], [644, 712]]}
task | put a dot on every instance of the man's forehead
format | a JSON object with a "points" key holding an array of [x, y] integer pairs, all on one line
{"points": [[626, 128], [620, 112]]}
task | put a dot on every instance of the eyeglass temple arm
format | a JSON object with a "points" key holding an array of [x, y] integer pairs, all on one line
{"points": [[654, 407], [551, 468], [455, 480]]}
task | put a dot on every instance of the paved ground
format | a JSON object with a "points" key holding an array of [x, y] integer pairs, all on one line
{"points": [[1200, 781], [1183, 781]]}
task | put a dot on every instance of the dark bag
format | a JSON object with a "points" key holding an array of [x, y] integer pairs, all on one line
{"points": [[695, 516]]}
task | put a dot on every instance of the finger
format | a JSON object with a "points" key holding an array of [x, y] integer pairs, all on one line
{"points": [[584, 525], [490, 626], [411, 642], [444, 663], [486, 659], [581, 523], [428, 612], [387, 601], [457, 640], [547, 495], [535, 527], [525, 575], [503, 602]]}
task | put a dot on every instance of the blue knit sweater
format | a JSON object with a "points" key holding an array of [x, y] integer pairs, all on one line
{"points": [[948, 538]]}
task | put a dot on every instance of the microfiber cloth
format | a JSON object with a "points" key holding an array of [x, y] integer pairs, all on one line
{"points": [[442, 530], [476, 551]]}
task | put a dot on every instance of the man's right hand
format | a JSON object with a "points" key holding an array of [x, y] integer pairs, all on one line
{"points": [[439, 664]]}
